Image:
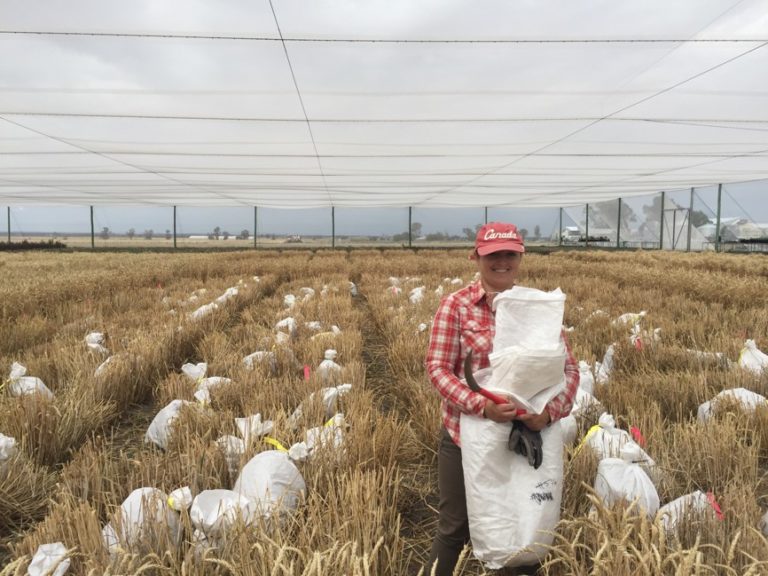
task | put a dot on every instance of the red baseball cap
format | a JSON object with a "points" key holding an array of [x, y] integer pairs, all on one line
{"points": [[497, 236]]}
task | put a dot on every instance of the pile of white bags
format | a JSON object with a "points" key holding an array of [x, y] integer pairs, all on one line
{"points": [[746, 399], [143, 518], [623, 479], [21, 385], [753, 359], [529, 354], [512, 507]]}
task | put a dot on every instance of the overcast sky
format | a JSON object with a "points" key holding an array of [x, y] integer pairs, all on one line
{"points": [[519, 106]]}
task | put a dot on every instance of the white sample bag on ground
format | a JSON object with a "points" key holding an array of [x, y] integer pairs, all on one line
{"points": [[621, 479], [160, 428], [582, 402], [49, 560], [214, 512], [605, 439], [273, 482], [603, 369], [586, 378], [195, 372], [686, 507], [203, 311], [747, 400], [328, 368], [143, 518], [204, 387], [330, 396], [752, 359], [512, 508], [22, 385], [95, 342], [7, 451]]}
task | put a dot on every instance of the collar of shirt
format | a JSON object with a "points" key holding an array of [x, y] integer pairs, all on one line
{"points": [[478, 293]]}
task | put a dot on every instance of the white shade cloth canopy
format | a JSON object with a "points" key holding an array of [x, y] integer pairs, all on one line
{"points": [[378, 104]]}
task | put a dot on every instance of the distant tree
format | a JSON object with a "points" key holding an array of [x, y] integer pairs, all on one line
{"points": [[437, 236], [416, 229], [652, 212], [148, 234], [244, 234], [131, 233], [471, 233], [104, 235], [536, 231], [225, 235], [523, 233], [216, 232], [168, 234]]}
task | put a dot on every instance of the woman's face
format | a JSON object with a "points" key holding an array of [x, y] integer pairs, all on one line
{"points": [[498, 270]]}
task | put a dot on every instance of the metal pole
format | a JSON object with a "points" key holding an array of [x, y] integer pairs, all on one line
{"points": [[9, 224], [674, 224], [586, 239], [255, 225], [410, 232], [560, 231], [690, 222], [174, 227], [333, 227], [93, 237], [717, 225], [661, 222], [485, 217], [618, 227]]}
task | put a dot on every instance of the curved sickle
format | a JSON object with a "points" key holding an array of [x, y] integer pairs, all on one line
{"points": [[473, 385]]}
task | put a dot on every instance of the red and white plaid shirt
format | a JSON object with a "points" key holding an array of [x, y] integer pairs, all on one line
{"points": [[464, 321]]}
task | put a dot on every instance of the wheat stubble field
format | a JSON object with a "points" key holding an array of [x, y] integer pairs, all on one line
{"points": [[369, 507]]}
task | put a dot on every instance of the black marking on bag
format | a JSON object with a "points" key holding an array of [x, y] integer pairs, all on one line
{"points": [[540, 497]]}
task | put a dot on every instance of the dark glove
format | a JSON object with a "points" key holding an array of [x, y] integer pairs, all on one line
{"points": [[527, 443]]}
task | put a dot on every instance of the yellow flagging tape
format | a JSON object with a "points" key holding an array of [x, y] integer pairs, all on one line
{"points": [[273, 442], [330, 422], [591, 431]]}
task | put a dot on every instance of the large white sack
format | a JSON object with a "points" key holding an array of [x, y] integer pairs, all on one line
{"points": [[753, 359], [143, 517], [528, 317], [525, 372], [49, 560], [512, 507], [747, 399], [273, 482], [161, 426], [695, 504], [533, 405], [213, 512], [618, 479]]}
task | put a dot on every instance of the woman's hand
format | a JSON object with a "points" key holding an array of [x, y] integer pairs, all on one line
{"points": [[535, 422], [500, 412]]}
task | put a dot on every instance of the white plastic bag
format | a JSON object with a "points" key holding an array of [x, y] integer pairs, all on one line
{"points": [[747, 400], [7, 451], [229, 293], [526, 372], [95, 342], [330, 397], [143, 517], [195, 372], [273, 482], [629, 318], [287, 325], [512, 508], [753, 359], [586, 378], [259, 356], [605, 439], [252, 427], [416, 295], [160, 428], [233, 449], [49, 560], [621, 479], [22, 385], [529, 318], [696, 503], [603, 373], [328, 368], [204, 387], [214, 512], [203, 311]]}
